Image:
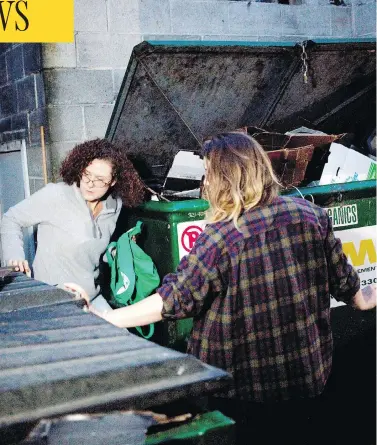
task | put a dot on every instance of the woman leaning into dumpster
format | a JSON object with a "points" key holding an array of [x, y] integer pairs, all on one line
{"points": [[257, 284], [75, 218]]}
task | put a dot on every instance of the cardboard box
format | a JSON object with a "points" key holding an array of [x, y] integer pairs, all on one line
{"points": [[291, 154], [347, 165]]}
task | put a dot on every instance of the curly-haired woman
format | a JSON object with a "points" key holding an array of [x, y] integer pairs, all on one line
{"points": [[75, 218]]}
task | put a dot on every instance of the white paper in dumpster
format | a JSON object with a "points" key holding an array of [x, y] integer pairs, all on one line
{"points": [[187, 165], [188, 168], [347, 165]]}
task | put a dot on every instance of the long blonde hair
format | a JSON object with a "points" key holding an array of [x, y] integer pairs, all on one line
{"points": [[239, 176]]}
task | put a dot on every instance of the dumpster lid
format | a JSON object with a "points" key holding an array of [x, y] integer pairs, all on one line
{"points": [[174, 94], [57, 359]]}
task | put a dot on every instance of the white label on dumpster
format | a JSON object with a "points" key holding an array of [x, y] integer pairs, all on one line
{"points": [[188, 233], [359, 245], [343, 215]]}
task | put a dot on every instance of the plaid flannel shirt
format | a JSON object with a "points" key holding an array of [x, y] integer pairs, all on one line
{"points": [[260, 298]]}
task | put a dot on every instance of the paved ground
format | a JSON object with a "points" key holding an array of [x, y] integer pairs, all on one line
{"points": [[350, 398], [345, 414]]}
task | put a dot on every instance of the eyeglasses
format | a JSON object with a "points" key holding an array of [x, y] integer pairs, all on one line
{"points": [[100, 183]]}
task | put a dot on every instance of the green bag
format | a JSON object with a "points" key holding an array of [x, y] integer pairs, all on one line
{"points": [[133, 274]]}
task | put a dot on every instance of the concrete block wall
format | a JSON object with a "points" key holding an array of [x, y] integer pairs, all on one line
{"points": [[83, 78], [22, 103]]}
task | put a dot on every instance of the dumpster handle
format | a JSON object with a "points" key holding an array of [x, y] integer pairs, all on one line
{"points": [[304, 58], [302, 196], [312, 197]]}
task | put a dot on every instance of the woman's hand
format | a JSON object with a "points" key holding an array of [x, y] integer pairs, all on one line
{"points": [[78, 291], [366, 298], [20, 266]]}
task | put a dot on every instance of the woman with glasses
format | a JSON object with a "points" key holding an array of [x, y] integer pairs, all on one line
{"points": [[75, 218], [257, 283]]}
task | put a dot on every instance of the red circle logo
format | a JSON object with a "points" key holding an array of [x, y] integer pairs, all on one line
{"points": [[189, 236]]}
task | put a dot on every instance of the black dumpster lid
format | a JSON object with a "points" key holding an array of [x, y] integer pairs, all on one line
{"points": [[57, 359], [176, 93]]}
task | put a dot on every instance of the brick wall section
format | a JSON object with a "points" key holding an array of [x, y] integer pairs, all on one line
{"points": [[22, 102], [83, 78]]}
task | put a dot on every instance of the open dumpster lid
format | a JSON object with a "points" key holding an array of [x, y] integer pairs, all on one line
{"points": [[176, 93]]}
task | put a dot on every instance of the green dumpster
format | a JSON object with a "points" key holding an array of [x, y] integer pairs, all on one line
{"points": [[171, 229], [174, 94]]}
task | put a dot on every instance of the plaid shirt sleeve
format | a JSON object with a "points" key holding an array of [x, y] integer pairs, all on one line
{"points": [[184, 292], [343, 278]]}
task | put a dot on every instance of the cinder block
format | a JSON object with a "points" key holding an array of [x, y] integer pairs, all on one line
{"points": [[26, 99], [15, 64], [35, 161], [97, 50], [3, 71], [66, 123], [40, 90], [97, 118], [123, 16], [365, 19], [32, 57], [199, 17], [5, 124], [118, 79], [20, 121], [341, 21], [255, 18], [36, 184], [306, 21], [90, 15], [94, 50], [57, 152], [139, 16], [78, 86], [37, 119], [59, 55], [4, 47], [123, 45], [8, 100], [154, 16]]}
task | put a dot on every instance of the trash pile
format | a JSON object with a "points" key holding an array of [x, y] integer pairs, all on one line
{"points": [[301, 157]]}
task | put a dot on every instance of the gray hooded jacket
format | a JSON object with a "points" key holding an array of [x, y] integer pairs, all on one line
{"points": [[70, 240]]}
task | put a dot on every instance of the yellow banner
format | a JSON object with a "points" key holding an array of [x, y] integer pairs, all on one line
{"points": [[36, 20]]}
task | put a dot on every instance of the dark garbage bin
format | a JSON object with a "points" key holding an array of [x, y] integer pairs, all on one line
{"points": [[58, 360]]}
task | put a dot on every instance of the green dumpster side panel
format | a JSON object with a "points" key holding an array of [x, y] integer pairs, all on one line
{"points": [[195, 432], [343, 198], [160, 241]]}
